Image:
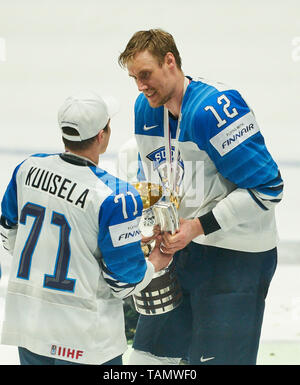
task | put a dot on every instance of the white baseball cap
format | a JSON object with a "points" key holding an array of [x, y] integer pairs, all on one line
{"points": [[88, 113]]}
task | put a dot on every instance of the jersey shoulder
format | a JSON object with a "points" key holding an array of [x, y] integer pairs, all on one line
{"points": [[114, 183], [210, 108], [121, 197]]}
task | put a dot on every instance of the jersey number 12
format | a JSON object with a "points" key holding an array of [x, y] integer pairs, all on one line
{"points": [[229, 114]]}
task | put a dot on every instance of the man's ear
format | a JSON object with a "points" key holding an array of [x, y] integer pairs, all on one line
{"points": [[170, 59], [100, 136]]}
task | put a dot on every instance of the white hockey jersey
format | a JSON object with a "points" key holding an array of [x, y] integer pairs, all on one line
{"points": [[72, 229], [224, 172]]}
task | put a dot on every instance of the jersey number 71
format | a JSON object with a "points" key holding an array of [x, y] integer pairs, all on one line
{"points": [[59, 280]]}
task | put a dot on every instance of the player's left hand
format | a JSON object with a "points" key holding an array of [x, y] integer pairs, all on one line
{"points": [[188, 230]]}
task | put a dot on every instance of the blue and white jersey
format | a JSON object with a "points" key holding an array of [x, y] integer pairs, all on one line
{"points": [[72, 229], [224, 172]]}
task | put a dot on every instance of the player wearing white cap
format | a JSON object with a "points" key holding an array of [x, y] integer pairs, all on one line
{"points": [[72, 231]]}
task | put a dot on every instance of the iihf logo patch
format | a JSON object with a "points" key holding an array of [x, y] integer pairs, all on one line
{"points": [[62, 351], [53, 350]]}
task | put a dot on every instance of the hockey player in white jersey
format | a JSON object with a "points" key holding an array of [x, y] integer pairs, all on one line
{"points": [[200, 139], [72, 230]]}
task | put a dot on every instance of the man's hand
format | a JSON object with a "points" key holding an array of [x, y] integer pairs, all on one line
{"points": [[188, 230], [156, 233], [157, 258]]}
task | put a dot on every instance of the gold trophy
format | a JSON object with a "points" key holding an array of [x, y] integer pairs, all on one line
{"points": [[163, 293]]}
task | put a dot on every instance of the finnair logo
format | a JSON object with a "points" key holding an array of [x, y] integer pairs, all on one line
{"points": [[130, 234], [124, 233], [235, 137], [235, 134]]}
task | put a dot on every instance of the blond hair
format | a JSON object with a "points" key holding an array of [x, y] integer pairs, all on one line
{"points": [[156, 41]]}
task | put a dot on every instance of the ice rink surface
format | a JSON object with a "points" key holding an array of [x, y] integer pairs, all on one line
{"points": [[51, 49]]}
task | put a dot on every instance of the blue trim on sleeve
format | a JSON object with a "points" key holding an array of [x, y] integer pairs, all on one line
{"points": [[9, 204], [257, 200], [125, 263]]}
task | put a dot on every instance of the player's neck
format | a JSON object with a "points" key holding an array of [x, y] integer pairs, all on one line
{"points": [[174, 104], [92, 157]]}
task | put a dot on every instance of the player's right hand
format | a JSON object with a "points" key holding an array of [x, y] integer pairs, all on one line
{"points": [[159, 259]]}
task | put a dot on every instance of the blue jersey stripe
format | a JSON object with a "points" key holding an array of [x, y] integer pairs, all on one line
{"points": [[125, 263]]}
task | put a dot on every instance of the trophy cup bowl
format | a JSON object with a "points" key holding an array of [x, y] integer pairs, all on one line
{"points": [[163, 293]]}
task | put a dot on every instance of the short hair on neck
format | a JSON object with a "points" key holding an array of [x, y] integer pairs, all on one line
{"points": [[78, 145]]}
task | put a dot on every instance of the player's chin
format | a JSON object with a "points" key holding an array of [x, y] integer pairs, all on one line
{"points": [[155, 101]]}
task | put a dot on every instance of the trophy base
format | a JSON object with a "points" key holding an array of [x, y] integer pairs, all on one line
{"points": [[162, 295]]}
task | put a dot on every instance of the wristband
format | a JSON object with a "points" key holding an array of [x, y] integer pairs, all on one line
{"points": [[209, 223]]}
